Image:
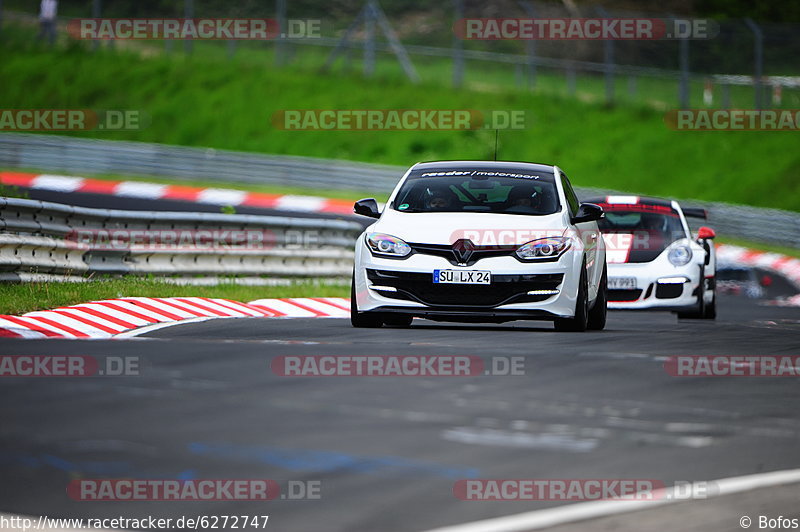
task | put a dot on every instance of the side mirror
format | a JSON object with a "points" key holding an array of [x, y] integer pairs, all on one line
{"points": [[588, 212], [705, 233], [765, 281], [367, 207]]}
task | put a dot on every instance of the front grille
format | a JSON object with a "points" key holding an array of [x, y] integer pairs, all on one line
{"points": [[503, 290], [669, 291], [446, 252], [624, 295]]}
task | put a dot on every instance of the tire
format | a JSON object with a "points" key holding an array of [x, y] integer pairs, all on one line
{"points": [[711, 309], [695, 314], [581, 319], [398, 320], [701, 311], [362, 320], [599, 312]]}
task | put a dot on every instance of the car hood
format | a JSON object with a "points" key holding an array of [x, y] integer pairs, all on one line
{"points": [[484, 229], [638, 247]]}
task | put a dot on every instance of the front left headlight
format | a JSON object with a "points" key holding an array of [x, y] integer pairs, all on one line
{"points": [[680, 255], [543, 248], [387, 245]]}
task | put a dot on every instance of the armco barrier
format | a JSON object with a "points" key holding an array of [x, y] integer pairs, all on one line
{"points": [[78, 156], [34, 239], [54, 153]]}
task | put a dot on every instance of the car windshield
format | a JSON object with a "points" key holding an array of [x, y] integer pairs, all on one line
{"points": [[494, 190], [650, 221]]}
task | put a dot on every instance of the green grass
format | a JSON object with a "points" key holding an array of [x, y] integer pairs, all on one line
{"points": [[209, 101], [26, 297]]}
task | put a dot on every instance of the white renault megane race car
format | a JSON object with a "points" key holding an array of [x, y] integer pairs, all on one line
{"points": [[653, 260], [481, 241]]}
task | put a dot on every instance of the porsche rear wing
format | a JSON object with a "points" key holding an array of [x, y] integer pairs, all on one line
{"points": [[695, 212]]}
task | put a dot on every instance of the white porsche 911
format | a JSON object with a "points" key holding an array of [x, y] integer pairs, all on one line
{"points": [[481, 241], [653, 260]]}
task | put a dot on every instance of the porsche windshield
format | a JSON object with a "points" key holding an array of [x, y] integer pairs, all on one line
{"points": [[653, 221], [492, 190]]}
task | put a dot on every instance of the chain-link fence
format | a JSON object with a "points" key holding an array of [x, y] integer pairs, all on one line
{"points": [[745, 65]]}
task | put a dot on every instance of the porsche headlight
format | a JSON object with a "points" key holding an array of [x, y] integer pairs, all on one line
{"points": [[387, 245], [680, 255], [543, 248]]}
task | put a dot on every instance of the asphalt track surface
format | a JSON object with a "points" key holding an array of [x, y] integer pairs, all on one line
{"points": [[388, 450]]}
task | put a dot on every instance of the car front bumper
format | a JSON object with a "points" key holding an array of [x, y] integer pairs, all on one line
{"points": [[656, 288], [538, 290]]}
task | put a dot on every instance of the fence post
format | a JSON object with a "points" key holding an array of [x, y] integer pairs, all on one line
{"points": [[571, 79], [759, 59], [683, 92], [608, 58], [188, 12], [97, 9], [458, 46], [530, 47], [369, 43], [280, 44], [726, 96]]}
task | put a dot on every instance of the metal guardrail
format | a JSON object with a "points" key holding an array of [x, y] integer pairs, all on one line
{"points": [[79, 156], [60, 240]]}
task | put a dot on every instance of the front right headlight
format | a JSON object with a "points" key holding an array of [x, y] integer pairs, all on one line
{"points": [[680, 255], [387, 245], [543, 248]]}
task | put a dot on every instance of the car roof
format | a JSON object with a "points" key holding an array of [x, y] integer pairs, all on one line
{"points": [[437, 165]]}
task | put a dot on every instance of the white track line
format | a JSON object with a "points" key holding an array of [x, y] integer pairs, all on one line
{"points": [[291, 311], [140, 190], [20, 330], [70, 322], [572, 513], [156, 326], [156, 303], [300, 203], [92, 317], [222, 196], [330, 310], [60, 183]]}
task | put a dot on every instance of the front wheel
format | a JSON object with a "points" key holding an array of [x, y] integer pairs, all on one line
{"points": [[580, 321], [710, 311], [597, 316], [703, 311], [362, 319]]}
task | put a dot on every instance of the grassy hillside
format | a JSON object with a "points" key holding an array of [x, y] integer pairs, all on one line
{"points": [[208, 101]]}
